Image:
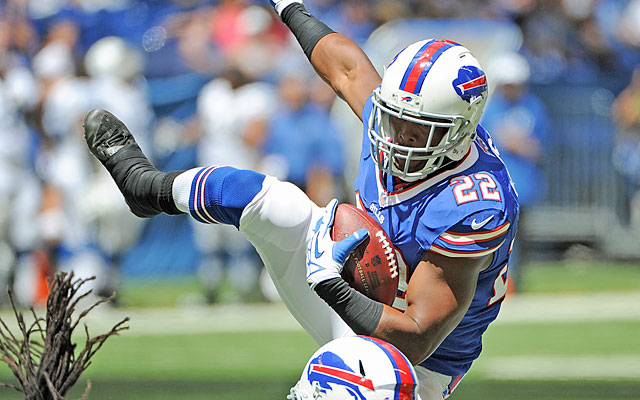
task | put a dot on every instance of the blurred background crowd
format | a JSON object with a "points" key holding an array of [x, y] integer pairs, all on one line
{"points": [[222, 82]]}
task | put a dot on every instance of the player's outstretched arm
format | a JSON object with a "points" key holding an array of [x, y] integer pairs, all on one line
{"points": [[338, 61], [344, 66]]}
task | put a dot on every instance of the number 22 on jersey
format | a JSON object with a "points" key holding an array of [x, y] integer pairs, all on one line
{"points": [[468, 188]]}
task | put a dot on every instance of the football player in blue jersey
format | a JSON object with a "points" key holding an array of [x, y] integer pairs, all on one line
{"points": [[428, 173]]}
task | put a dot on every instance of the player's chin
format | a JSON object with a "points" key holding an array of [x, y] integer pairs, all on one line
{"points": [[414, 166]]}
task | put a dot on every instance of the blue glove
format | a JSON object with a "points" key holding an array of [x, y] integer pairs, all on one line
{"points": [[280, 5], [326, 258]]}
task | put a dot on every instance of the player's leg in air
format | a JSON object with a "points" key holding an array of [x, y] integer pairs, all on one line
{"points": [[275, 216]]}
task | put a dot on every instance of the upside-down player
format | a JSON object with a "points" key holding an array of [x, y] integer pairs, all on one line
{"points": [[428, 173]]}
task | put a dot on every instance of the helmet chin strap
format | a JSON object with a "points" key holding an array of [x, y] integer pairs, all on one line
{"points": [[449, 163], [444, 165]]}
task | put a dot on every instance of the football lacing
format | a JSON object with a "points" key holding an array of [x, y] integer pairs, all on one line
{"points": [[388, 251]]}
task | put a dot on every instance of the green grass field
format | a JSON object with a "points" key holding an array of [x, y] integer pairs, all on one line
{"points": [[590, 358]]}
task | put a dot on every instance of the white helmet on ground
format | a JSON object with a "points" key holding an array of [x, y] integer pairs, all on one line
{"points": [[357, 368], [439, 90]]}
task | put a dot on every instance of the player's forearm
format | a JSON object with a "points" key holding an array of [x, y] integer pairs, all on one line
{"points": [[338, 61], [346, 68], [360, 313], [307, 29], [415, 338]]}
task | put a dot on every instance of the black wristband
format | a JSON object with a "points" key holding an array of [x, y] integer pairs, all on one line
{"points": [[305, 27], [359, 312]]}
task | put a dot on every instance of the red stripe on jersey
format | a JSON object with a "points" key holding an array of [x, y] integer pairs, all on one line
{"points": [[454, 383], [469, 254], [470, 241], [479, 233]]}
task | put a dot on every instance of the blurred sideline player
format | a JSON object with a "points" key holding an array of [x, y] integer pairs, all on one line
{"points": [[429, 174]]}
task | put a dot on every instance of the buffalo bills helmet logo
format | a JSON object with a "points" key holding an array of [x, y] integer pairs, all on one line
{"points": [[471, 83], [329, 370]]}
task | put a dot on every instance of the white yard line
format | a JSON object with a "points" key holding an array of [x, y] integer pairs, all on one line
{"points": [[201, 319], [592, 307], [185, 320], [520, 309], [559, 367]]}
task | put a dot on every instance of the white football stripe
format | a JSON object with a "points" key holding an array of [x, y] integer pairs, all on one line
{"points": [[474, 237], [462, 254], [202, 204], [198, 187], [538, 308]]}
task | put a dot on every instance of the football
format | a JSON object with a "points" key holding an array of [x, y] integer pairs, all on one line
{"points": [[371, 268]]}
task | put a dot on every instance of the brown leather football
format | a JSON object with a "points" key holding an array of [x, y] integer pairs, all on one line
{"points": [[371, 268]]}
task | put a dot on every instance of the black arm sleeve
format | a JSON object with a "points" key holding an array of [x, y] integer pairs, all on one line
{"points": [[359, 312], [305, 27]]}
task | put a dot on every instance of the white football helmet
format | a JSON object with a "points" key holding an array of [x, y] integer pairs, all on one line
{"points": [[357, 368], [439, 91]]}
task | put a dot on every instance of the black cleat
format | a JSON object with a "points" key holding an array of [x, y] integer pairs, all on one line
{"points": [[146, 190], [105, 134]]}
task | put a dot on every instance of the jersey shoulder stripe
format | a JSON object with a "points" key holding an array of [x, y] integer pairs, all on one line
{"points": [[470, 238], [463, 253], [457, 238]]}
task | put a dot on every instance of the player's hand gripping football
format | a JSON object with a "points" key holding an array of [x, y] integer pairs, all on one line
{"points": [[325, 258], [280, 5]]}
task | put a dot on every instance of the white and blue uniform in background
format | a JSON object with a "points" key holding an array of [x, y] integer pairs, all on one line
{"points": [[467, 211]]}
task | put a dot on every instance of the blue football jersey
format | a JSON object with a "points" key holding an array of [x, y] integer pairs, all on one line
{"points": [[467, 211]]}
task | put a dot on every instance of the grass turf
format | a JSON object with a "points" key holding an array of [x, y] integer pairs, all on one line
{"points": [[248, 365], [252, 389], [254, 366], [550, 277], [580, 276]]}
